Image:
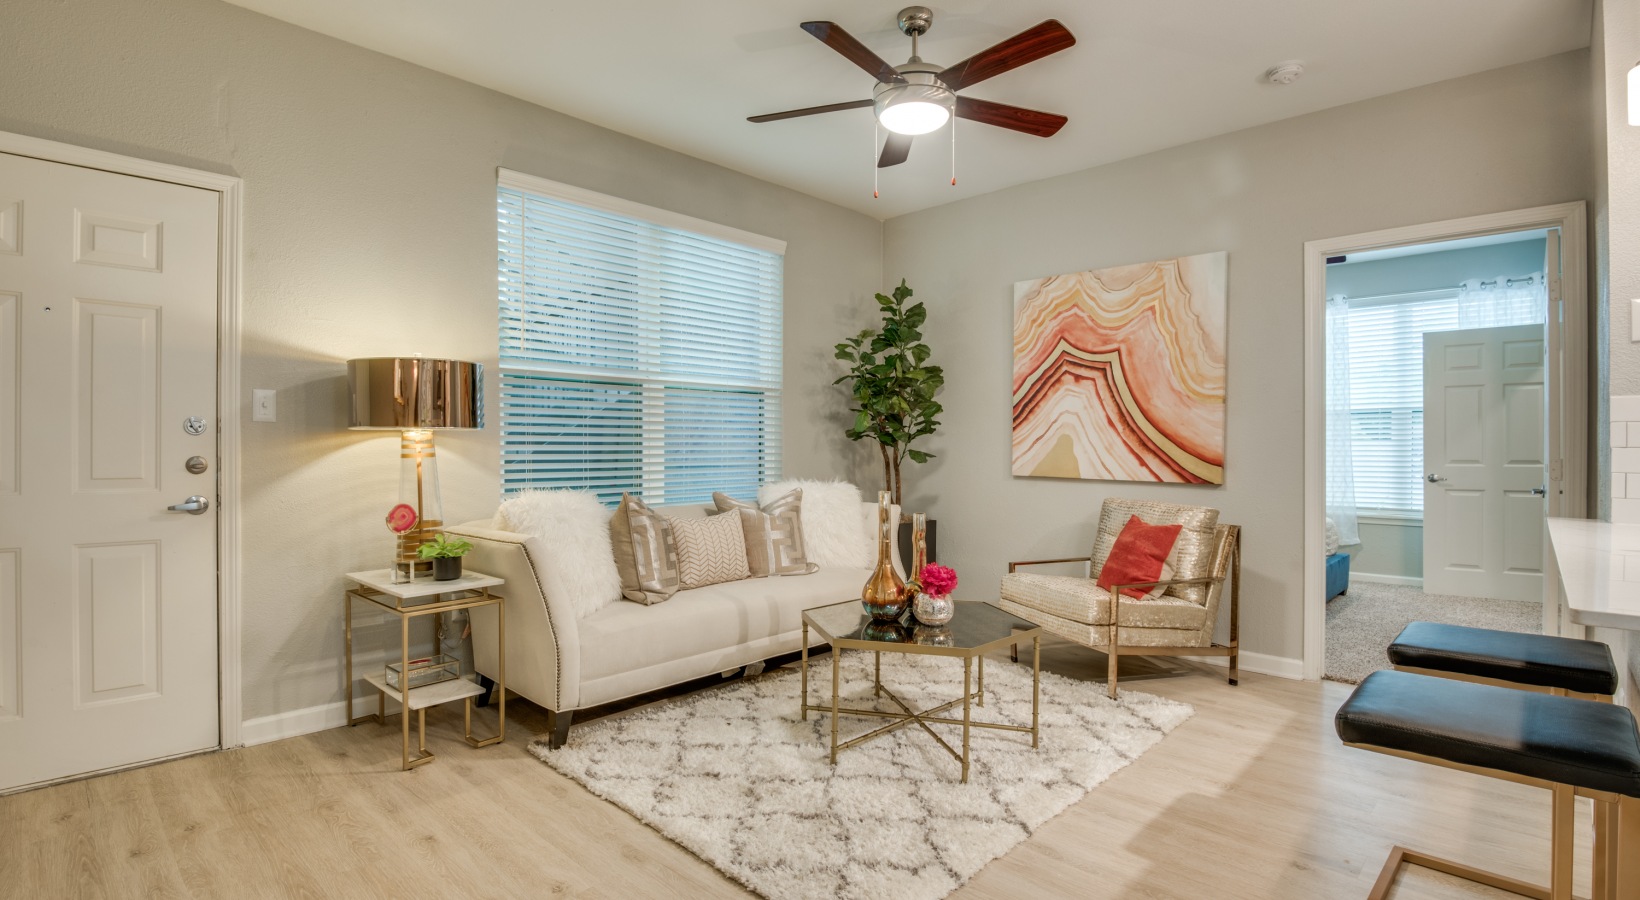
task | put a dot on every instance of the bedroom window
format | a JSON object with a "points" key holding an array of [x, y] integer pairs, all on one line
{"points": [[640, 350]]}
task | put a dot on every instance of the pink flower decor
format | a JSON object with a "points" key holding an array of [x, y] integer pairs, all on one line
{"points": [[936, 580]]}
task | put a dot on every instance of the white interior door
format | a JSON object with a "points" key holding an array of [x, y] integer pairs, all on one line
{"points": [[1484, 450], [108, 600]]}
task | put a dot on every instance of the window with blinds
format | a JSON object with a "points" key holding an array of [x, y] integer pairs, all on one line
{"points": [[640, 349], [1386, 346]]}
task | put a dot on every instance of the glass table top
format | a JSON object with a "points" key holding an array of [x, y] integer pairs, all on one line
{"points": [[976, 626]]}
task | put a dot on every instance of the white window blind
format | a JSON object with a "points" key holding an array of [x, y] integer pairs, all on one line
{"points": [[640, 350], [1386, 346]]}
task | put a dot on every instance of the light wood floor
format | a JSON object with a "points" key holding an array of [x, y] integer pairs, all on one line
{"points": [[1252, 798]]}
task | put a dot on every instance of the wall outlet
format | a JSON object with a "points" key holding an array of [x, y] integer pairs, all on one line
{"points": [[264, 406]]}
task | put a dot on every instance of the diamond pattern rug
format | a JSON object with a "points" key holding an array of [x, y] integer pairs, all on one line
{"points": [[734, 777]]}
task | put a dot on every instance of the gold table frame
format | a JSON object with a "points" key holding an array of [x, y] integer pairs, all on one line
{"points": [[464, 599], [922, 718]]}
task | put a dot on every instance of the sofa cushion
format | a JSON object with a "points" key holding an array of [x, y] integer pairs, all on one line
{"points": [[1081, 600], [572, 532], [774, 534], [646, 553], [835, 533], [1192, 555], [711, 550], [626, 637], [1139, 556]]}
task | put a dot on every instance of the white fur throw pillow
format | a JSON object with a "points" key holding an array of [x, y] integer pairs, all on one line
{"points": [[835, 531], [573, 528]]}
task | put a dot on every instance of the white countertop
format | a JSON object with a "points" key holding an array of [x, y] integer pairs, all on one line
{"points": [[1600, 569]]}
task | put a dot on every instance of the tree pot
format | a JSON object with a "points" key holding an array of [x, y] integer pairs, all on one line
{"points": [[905, 545], [447, 568]]}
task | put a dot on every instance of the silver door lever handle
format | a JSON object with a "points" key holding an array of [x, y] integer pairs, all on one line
{"points": [[194, 506], [1432, 478]]}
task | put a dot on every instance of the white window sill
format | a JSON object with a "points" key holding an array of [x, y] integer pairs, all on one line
{"points": [[1405, 520]]}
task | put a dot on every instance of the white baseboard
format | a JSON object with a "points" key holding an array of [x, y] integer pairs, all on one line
{"points": [[297, 722], [1408, 580], [1261, 663]]}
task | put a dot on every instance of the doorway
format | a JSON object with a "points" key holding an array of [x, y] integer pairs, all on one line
{"points": [[117, 282], [1429, 477], [1436, 444]]}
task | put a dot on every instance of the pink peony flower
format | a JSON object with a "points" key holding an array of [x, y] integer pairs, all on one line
{"points": [[936, 580]]}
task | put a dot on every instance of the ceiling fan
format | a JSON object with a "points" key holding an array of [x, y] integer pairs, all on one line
{"points": [[918, 97]]}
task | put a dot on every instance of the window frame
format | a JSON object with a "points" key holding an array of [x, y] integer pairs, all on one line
{"points": [[646, 378]]}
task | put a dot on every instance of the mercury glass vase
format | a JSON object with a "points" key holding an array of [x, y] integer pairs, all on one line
{"points": [[930, 610]]}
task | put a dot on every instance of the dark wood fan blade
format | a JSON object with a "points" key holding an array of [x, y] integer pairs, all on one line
{"points": [[895, 150], [832, 35], [1017, 118], [1028, 46], [809, 111]]}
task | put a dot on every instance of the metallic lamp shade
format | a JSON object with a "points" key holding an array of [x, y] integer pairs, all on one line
{"points": [[414, 394]]}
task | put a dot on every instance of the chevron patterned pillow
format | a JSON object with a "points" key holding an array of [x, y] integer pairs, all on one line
{"points": [[711, 550]]}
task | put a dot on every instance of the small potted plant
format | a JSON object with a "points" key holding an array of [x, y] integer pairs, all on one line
{"points": [[933, 585], [446, 553]]}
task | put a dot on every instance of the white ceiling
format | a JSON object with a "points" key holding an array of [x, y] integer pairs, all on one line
{"points": [[1143, 75]]}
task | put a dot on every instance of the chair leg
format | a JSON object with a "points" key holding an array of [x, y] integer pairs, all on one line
{"points": [[1111, 655], [1013, 653]]}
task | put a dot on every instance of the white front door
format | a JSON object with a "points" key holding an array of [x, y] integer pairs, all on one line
{"points": [[1484, 454], [108, 601]]}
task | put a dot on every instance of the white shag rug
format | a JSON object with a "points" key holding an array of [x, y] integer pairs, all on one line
{"points": [[734, 777]]}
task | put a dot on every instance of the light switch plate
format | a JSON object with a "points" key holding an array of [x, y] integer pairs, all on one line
{"points": [[264, 406]]}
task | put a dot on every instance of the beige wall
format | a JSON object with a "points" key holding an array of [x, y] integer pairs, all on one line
{"points": [[370, 230], [1507, 139]]}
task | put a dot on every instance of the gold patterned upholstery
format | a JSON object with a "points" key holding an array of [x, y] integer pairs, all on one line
{"points": [[1081, 600]]}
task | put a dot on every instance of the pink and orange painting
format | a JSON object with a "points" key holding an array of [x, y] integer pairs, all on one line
{"points": [[1119, 372]]}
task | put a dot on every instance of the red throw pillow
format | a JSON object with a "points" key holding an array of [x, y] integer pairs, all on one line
{"points": [[1138, 556]]}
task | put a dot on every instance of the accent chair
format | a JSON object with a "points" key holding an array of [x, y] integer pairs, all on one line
{"points": [[1180, 622]]}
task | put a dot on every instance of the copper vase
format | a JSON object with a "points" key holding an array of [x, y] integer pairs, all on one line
{"points": [[884, 596]]}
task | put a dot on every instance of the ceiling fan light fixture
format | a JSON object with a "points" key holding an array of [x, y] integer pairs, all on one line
{"points": [[914, 108]]}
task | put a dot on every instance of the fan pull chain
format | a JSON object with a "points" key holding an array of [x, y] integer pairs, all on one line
{"points": [[874, 134], [953, 151]]}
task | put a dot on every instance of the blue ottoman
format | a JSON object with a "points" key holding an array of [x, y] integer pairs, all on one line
{"points": [[1338, 574]]}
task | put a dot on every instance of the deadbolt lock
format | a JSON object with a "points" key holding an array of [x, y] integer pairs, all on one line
{"points": [[193, 425], [196, 465]]}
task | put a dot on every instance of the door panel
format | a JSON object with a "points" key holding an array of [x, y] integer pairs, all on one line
{"points": [[107, 344], [116, 395], [1484, 433]]}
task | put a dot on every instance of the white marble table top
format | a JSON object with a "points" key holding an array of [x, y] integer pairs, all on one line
{"points": [[1600, 569]]}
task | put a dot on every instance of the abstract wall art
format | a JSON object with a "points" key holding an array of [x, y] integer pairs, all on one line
{"points": [[1119, 373]]}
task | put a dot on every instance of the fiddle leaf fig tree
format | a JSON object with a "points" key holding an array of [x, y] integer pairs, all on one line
{"points": [[893, 386]]}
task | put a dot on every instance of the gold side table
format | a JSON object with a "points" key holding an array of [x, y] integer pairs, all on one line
{"points": [[424, 597]]}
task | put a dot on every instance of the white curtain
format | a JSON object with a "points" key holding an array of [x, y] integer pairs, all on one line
{"points": [[1502, 301], [1340, 454]]}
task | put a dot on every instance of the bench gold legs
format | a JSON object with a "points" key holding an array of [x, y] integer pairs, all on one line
{"points": [[1616, 851]]}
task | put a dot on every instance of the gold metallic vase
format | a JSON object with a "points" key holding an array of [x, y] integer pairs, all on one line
{"points": [[884, 596]]}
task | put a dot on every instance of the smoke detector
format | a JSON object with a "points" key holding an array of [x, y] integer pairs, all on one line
{"points": [[1284, 73]]}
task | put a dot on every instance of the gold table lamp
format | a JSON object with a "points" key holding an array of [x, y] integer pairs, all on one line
{"points": [[415, 397]]}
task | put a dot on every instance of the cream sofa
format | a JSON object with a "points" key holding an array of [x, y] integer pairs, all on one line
{"points": [[564, 663]]}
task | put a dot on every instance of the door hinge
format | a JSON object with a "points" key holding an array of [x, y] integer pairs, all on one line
{"points": [[1556, 470]]}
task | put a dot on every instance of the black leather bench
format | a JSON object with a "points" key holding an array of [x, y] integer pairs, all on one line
{"points": [[1570, 746], [1547, 663]]}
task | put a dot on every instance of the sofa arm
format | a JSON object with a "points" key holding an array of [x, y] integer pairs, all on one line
{"points": [[543, 646]]}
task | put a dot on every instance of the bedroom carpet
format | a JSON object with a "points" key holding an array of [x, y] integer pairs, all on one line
{"points": [[1362, 622], [734, 777]]}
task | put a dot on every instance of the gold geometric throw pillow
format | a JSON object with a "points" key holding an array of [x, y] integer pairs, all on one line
{"points": [[774, 534], [711, 550], [646, 553]]}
